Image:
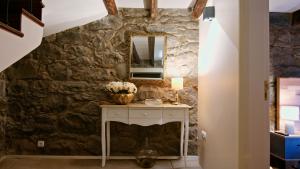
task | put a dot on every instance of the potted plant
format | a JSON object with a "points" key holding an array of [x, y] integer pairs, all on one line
{"points": [[121, 92]]}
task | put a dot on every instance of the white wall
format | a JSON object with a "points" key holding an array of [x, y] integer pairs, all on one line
{"points": [[219, 87], [59, 15], [284, 5], [254, 70], [13, 47], [233, 65]]}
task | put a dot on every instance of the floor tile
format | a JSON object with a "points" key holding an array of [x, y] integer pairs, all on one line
{"points": [[25, 164], [32, 163], [121, 164], [6, 164], [190, 163], [131, 164], [84, 164], [162, 164]]}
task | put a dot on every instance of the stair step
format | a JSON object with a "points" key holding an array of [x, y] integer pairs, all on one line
{"points": [[11, 29], [15, 8]]}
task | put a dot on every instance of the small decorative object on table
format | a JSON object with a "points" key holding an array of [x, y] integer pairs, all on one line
{"points": [[153, 102], [146, 156], [177, 84], [121, 92]]}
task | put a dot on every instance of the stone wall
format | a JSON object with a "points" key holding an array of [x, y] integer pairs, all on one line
{"points": [[284, 54], [54, 91], [3, 112]]}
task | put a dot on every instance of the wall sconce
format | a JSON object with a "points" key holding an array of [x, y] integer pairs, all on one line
{"points": [[177, 84], [209, 13]]}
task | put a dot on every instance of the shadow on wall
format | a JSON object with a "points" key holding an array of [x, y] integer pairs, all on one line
{"points": [[218, 95]]}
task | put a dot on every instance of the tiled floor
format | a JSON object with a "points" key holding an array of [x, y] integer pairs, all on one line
{"points": [[35, 163]]}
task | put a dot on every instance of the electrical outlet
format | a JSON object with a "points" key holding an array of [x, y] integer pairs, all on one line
{"points": [[41, 144]]}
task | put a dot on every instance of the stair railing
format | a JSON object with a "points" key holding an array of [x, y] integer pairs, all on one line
{"points": [[10, 11]]}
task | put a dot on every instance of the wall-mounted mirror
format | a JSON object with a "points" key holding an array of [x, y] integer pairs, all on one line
{"points": [[288, 105], [147, 57]]}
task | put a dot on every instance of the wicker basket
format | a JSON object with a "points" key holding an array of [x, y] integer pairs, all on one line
{"points": [[122, 98]]}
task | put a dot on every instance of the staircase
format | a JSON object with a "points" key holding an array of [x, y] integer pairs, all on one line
{"points": [[21, 29]]}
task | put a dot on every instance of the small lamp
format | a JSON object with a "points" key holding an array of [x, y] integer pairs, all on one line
{"points": [[289, 114], [177, 84], [209, 13]]}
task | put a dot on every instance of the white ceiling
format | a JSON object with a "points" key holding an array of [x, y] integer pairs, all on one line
{"points": [[284, 5], [59, 15], [160, 3], [129, 3]]}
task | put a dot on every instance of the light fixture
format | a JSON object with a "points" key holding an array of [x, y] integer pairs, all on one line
{"points": [[177, 84], [209, 13], [289, 114]]}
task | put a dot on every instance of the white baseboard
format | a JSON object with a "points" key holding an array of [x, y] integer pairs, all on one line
{"points": [[87, 157]]}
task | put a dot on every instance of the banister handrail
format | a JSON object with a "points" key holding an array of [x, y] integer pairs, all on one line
{"points": [[32, 17], [11, 29]]}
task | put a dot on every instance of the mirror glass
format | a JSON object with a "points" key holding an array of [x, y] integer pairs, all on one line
{"points": [[288, 105], [147, 57]]}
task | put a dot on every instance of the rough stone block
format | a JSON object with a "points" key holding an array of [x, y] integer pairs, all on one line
{"points": [[54, 90], [2, 88]]}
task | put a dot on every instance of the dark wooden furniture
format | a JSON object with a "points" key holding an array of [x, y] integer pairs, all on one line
{"points": [[285, 151]]}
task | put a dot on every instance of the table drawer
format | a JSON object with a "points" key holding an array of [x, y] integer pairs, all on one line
{"points": [[145, 121], [145, 113], [173, 114], [117, 113], [292, 148]]}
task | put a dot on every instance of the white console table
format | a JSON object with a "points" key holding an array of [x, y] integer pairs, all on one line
{"points": [[144, 115]]}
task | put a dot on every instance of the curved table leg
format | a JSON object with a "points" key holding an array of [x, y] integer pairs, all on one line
{"points": [[108, 138], [186, 136], [181, 138], [103, 143]]}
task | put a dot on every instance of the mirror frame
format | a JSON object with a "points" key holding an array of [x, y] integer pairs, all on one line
{"points": [[277, 100], [277, 95], [164, 53]]}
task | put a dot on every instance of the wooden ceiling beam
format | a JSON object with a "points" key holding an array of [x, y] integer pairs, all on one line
{"points": [[111, 7], [198, 8], [153, 9]]}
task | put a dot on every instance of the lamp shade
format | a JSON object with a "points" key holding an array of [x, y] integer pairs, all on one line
{"points": [[177, 83], [289, 113]]}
